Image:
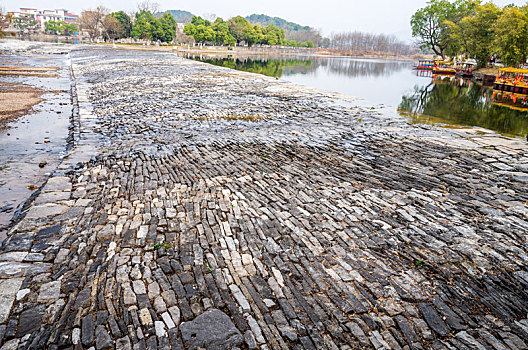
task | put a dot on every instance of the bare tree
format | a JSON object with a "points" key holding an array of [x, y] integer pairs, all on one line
{"points": [[370, 43], [181, 37], [92, 21], [210, 17], [313, 35], [148, 5], [112, 27]]}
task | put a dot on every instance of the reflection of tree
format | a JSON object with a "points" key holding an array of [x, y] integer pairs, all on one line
{"points": [[349, 67], [269, 67], [415, 103], [361, 68], [465, 104], [354, 68]]}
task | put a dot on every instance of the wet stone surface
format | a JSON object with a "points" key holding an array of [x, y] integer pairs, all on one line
{"points": [[319, 226], [33, 144]]}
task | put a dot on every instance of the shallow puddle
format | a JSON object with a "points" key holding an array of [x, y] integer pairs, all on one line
{"points": [[32, 144]]}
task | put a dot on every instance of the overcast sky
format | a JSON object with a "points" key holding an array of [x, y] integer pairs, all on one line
{"points": [[380, 16]]}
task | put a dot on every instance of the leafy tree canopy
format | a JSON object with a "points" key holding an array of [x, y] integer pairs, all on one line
{"points": [[60, 27], [125, 22], [237, 30], [474, 30], [511, 36]]}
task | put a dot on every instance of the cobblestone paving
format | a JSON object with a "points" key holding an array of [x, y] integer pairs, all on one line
{"points": [[318, 225]]}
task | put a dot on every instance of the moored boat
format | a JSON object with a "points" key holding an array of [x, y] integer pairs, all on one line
{"points": [[512, 80], [511, 88], [444, 68], [510, 100], [465, 69], [425, 65]]}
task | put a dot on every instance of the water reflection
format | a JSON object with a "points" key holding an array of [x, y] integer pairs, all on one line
{"points": [[456, 101], [364, 68], [283, 66], [270, 67]]}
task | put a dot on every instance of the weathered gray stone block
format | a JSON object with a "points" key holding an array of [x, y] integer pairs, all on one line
{"points": [[212, 330]]}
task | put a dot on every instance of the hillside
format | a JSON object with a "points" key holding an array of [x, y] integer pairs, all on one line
{"points": [[179, 15], [265, 20]]}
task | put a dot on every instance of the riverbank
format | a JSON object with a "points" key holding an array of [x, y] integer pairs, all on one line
{"points": [[34, 121], [182, 220]]}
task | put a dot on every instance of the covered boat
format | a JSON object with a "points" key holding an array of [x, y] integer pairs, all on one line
{"points": [[511, 88], [512, 80], [510, 100], [425, 65], [444, 68], [465, 69]]}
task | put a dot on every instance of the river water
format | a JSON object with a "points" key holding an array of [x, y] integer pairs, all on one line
{"points": [[391, 83], [33, 145]]}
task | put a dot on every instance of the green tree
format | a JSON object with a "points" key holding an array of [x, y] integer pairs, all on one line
{"points": [[204, 32], [200, 30], [147, 27], [61, 27], [222, 34], [511, 36], [52, 27], [25, 23], [239, 27], [126, 23], [478, 32], [69, 28], [273, 35], [253, 34], [432, 27], [168, 26]]}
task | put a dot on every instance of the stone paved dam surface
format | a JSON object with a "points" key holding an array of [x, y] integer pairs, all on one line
{"points": [[201, 207]]}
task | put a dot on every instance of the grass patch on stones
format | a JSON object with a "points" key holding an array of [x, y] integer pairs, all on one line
{"points": [[243, 117], [161, 245]]}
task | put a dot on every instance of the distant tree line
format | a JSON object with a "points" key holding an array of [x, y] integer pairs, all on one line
{"points": [[473, 29], [369, 43], [146, 26], [238, 30], [292, 30]]}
